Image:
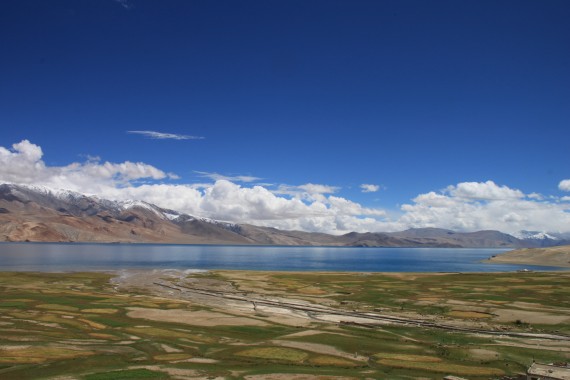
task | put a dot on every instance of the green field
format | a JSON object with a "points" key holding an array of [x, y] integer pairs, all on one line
{"points": [[79, 325]]}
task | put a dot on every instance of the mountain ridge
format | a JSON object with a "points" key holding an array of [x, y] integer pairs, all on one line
{"points": [[37, 213]]}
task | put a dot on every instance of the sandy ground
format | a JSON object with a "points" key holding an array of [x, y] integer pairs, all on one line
{"points": [[532, 317], [289, 376], [196, 318], [320, 349]]}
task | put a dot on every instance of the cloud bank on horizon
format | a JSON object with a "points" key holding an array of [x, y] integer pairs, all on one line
{"points": [[466, 206]]}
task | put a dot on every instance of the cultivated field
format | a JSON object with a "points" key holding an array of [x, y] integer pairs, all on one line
{"points": [[262, 325]]}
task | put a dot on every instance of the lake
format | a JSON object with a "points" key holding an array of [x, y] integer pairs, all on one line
{"points": [[56, 257]]}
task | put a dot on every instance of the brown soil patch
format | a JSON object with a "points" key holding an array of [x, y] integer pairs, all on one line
{"points": [[172, 357], [433, 299], [57, 307], [275, 353], [442, 367], [100, 311], [196, 318], [166, 348], [483, 354], [319, 349], [103, 336], [530, 317], [468, 314], [36, 354], [94, 325], [408, 358], [325, 360], [311, 291], [291, 376], [311, 332]]}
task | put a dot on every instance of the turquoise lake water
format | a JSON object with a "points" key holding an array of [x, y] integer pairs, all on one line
{"points": [[53, 257]]}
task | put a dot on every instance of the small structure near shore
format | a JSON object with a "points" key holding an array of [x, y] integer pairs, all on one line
{"points": [[557, 371]]}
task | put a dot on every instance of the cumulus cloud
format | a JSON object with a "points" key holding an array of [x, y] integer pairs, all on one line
{"points": [[369, 188], [471, 206], [483, 191], [466, 206], [165, 136], [564, 185], [308, 207], [23, 164], [237, 178], [312, 188]]}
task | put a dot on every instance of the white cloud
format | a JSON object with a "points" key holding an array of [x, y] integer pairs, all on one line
{"points": [[483, 191], [165, 136], [472, 206], [536, 196], [311, 208], [125, 4], [237, 178], [312, 188], [564, 185], [466, 206], [369, 188], [23, 164]]}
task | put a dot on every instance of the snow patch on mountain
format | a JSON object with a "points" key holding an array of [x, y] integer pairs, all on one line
{"points": [[127, 205], [534, 235]]}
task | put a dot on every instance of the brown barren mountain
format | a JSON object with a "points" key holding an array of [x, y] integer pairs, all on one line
{"points": [[39, 214]]}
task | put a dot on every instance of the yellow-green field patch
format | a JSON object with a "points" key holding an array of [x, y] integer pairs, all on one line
{"points": [[172, 357], [408, 358], [92, 324], [327, 360], [275, 353], [100, 311], [442, 367], [51, 306], [36, 354], [103, 336], [468, 314]]}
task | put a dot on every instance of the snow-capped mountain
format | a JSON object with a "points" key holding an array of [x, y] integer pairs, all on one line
{"points": [[535, 235], [540, 238], [38, 213]]}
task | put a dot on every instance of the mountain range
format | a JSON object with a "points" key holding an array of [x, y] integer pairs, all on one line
{"points": [[40, 214]]}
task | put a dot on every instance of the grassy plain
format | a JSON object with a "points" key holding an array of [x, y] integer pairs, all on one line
{"points": [[83, 326]]}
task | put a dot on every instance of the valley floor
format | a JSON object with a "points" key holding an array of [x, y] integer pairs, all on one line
{"points": [[280, 325]]}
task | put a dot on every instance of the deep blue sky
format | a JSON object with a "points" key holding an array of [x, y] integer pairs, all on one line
{"points": [[411, 95]]}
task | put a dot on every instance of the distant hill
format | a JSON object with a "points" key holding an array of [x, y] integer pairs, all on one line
{"points": [[551, 256], [40, 214]]}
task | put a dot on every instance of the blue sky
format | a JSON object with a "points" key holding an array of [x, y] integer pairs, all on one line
{"points": [[410, 96]]}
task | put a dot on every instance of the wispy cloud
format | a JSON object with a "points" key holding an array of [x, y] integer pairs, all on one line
{"points": [[165, 136], [125, 4], [369, 188], [218, 177]]}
